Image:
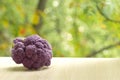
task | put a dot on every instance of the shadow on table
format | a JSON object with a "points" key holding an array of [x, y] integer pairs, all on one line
{"points": [[23, 69]]}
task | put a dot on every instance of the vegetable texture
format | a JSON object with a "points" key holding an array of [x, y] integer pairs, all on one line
{"points": [[33, 52]]}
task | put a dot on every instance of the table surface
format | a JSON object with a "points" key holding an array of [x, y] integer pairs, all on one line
{"points": [[64, 69]]}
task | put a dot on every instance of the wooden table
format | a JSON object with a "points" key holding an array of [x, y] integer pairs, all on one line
{"points": [[64, 69]]}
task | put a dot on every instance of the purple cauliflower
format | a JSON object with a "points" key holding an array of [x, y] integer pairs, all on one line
{"points": [[33, 52]]}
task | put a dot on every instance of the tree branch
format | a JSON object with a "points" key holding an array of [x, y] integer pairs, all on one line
{"points": [[40, 7], [93, 53], [106, 17]]}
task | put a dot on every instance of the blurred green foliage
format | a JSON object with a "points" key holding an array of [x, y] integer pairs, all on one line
{"points": [[75, 28]]}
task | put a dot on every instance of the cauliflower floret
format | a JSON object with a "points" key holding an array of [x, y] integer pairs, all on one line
{"points": [[33, 52]]}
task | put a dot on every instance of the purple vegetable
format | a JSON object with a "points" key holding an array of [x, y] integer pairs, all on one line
{"points": [[33, 52]]}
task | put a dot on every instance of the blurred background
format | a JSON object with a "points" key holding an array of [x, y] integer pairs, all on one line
{"points": [[75, 28]]}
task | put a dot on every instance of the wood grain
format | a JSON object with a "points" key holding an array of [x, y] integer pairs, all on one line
{"points": [[64, 69]]}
